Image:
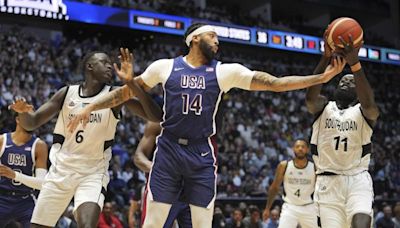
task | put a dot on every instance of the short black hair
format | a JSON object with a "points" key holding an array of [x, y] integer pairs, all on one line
{"points": [[301, 139], [191, 28], [86, 59]]}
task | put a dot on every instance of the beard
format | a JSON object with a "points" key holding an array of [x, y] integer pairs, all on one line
{"points": [[206, 50], [345, 97]]}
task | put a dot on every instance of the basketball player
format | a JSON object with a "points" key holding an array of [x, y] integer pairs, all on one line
{"points": [[185, 156], [298, 177], [179, 210], [23, 166], [341, 145], [80, 159]]}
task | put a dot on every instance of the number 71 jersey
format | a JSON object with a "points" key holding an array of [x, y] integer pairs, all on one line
{"points": [[341, 140], [85, 150]]}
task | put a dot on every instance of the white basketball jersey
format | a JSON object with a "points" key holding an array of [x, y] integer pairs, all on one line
{"points": [[85, 150], [341, 140], [298, 184]]}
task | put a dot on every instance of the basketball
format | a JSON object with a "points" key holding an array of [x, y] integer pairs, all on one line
{"points": [[344, 26]]}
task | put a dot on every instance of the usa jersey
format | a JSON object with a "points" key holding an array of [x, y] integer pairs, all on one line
{"points": [[20, 159], [341, 140], [298, 184], [85, 150], [191, 100]]}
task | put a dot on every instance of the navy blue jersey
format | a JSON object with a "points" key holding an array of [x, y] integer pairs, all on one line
{"points": [[19, 158], [191, 100]]}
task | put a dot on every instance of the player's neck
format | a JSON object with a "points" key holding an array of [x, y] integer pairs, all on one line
{"points": [[196, 58], [300, 163], [20, 137], [91, 87]]}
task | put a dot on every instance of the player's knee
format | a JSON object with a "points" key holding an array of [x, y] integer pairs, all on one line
{"points": [[361, 221]]}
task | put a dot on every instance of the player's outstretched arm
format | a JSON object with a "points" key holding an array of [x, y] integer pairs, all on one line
{"points": [[125, 73], [262, 81], [40, 171], [142, 156], [363, 89], [31, 120], [274, 188], [314, 100]]}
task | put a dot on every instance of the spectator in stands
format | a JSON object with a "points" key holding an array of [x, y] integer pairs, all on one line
{"points": [[273, 221], [107, 218], [236, 220], [396, 218], [254, 219], [386, 221]]}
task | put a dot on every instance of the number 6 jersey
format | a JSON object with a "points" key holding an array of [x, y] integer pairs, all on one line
{"points": [[85, 150], [341, 140]]}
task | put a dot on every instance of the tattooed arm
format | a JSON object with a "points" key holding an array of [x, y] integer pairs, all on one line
{"points": [[263, 81], [110, 100]]}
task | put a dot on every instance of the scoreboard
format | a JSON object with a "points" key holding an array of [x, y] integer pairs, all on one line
{"points": [[176, 25]]}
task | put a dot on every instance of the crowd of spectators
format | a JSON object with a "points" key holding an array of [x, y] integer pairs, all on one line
{"points": [[258, 128]]}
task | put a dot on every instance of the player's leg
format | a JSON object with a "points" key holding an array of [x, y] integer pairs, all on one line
{"points": [[200, 183], [330, 197], [308, 216], [89, 199], [55, 195], [202, 216], [288, 217], [173, 214], [360, 198], [164, 183]]}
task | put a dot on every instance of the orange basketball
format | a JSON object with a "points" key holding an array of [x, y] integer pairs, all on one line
{"points": [[344, 26]]}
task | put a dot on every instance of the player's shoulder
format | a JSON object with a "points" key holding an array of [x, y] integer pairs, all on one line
{"points": [[162, 62], [41, 144], [222, 65], [283, 164]]}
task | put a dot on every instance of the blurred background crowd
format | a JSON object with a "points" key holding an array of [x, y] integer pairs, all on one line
{"points": [[258, 128]]}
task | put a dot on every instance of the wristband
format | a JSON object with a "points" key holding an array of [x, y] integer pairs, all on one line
{"points": [[356, 67]]}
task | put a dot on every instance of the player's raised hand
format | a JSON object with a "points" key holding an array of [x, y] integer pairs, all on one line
{"points": [[20, 105], [334, 68], [82, 117], [125, 73], [349, 51], [6, 171], [327, 49]]}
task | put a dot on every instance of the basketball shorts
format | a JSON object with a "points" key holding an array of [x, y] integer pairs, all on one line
{"points": [[184, 170], [340, 197], [293, 215], [60, 187], [16, 208]]}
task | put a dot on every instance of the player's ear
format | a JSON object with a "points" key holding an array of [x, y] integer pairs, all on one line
{"points": [[89, 66], [196, 39]]}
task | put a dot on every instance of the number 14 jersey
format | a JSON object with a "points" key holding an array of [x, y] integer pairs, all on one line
{"points": [[341, 140]]}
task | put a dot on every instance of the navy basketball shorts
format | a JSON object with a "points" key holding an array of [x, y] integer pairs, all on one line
{"points": [[186, 172], [16, 208]]}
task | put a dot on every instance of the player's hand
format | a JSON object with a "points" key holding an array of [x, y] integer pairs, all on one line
{"points": [[349, 52], [81, 117], [333, 69], [265, 214], [20, 105], [125, 73], [6, 171], [327, 49]]}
